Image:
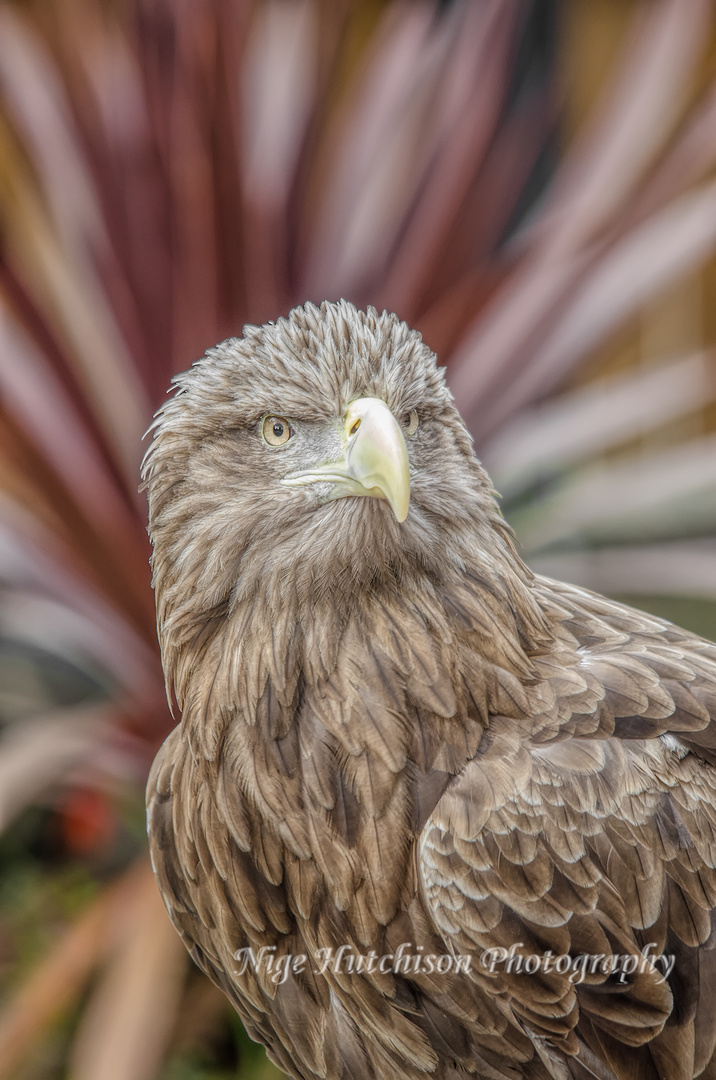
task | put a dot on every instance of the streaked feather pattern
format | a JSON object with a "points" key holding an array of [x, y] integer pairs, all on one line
{"points": [[398, 734]]}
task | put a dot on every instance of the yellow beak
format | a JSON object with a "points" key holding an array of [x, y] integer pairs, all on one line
{"points": [[375, 459]]}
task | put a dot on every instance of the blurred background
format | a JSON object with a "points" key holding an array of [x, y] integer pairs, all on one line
{"points": [[531, 183]]}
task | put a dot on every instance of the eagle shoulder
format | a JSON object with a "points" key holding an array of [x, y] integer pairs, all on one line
{"points": [[590, 830]]}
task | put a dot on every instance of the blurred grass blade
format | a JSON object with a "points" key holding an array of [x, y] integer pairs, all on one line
{"points": [[669, 493], [56, 264], [644, 263], [456, 140], [630, 125], [577, 425], [29, 561], [37, 397], [35, 99], [381, 117], [682, 569], [616, 146], [128, 1021], [78, 314], [279, 96], [689, 160], [103, 644], [37, 754], [54, 985]]}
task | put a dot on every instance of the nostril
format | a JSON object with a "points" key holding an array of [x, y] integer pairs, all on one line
{"points": [[354, 427]]}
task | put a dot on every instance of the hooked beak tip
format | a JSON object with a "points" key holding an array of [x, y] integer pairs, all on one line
{"points": [[377, 455]]}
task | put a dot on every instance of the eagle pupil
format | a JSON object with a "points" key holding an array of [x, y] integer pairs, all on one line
{"points": [[278, 430]]}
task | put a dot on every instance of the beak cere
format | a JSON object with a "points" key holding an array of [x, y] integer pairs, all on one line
{"points": [[374, 461], [377, 457]]}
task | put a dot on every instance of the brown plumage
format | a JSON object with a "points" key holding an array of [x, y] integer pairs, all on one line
{"points": [[392, 732]]}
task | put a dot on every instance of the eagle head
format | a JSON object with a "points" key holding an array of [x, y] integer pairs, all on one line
{"points": [[317, 457]]}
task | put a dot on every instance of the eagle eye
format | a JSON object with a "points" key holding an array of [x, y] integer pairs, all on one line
{"points": [[276, 430], [411, 421]]}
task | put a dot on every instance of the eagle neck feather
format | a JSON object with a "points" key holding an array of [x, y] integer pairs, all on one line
{"points": [[257, 659]]}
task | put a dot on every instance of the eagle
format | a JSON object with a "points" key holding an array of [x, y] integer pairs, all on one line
{"points": [[425, 813]]}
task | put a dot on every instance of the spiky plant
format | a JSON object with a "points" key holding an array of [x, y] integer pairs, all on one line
{"points": [[170, 170]]}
